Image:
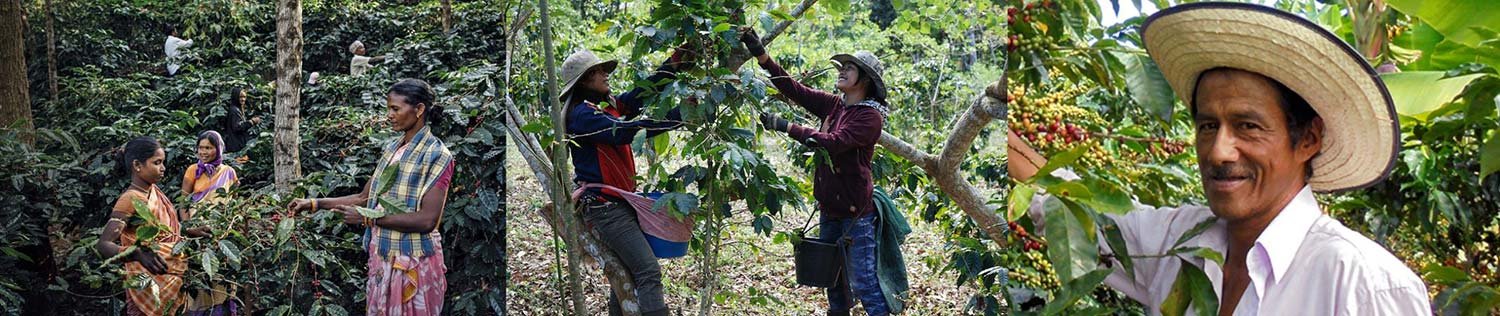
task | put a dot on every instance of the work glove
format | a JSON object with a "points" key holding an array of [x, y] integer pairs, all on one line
{"points": [[773, 122], [752, 43]]}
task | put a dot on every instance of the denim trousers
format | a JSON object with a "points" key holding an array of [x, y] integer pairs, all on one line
{"points": [[618, 228], [858, 278]]}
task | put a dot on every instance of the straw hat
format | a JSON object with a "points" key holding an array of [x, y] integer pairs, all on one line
{"points": [[1361, 136], [578, 64], [867, 64]]}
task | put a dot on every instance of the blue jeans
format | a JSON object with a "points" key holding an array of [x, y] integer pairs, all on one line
{"points": [[859, 265]]}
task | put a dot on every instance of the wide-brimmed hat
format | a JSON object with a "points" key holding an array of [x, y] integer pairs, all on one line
{"points": [[867, 64], [1361, 134], [578, 64]]}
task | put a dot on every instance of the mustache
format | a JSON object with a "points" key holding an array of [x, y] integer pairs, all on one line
{"points": [[1228, 171]]}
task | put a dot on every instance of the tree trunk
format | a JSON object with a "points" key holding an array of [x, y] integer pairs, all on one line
{"points": [[944, 169], [51, 52], [15, 104], [559, 188], [708, 266], [447, 16], [564, 222], [288, 93]]}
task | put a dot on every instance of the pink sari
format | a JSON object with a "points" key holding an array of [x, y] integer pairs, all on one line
{"points": [[407, 286]]}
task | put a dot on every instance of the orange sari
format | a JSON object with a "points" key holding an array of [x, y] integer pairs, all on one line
{"points": [[160, 294]]}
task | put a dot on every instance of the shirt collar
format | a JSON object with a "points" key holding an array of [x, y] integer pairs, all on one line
{"points": [[1277, 245]]}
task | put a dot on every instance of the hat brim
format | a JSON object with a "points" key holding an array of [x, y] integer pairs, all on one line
{"points": [[1361, 135], [609, 67], [879, 82]]}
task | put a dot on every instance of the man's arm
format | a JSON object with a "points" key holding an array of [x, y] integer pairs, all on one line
{"points": [[1147, 232], [1022, 161]]}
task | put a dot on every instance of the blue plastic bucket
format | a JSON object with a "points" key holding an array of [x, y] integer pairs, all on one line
{"points": [[666, 249]]}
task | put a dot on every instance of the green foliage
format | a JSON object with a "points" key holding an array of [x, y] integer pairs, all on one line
{"points": [[109, 55], [1438, 209], [1461, 21], [1419, 93]]}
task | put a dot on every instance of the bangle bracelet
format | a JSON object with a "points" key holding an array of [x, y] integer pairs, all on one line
{"points": [[314, 204]]}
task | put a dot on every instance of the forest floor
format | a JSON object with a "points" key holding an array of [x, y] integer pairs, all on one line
{"points": [[756, 272]]}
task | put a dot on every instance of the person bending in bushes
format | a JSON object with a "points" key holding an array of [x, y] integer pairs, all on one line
{"points": [[601, 137], [401, 207], [173, 49], [360, 64], [851, 124], [150, 261]]}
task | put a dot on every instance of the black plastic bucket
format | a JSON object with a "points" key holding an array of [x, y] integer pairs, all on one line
{"points": [[818, 262]]}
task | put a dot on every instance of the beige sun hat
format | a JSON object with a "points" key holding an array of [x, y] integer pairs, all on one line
{"points": [[578, 64], [1362, 134], [869, 64]]}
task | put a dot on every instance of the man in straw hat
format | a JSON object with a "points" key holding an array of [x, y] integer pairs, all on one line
{"points": [[601, 131], [851, 123], [1281, 108]]}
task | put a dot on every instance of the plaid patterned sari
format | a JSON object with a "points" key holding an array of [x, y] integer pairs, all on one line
{"points": [[406, 274]]}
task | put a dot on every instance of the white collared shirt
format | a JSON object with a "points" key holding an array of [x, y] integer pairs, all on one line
{"points": [[1303, 263]]}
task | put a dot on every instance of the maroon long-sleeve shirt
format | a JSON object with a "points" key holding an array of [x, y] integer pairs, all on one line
{"points": [[848, 133]]}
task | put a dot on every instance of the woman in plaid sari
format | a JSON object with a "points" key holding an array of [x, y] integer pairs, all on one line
{"points": [[405, 199]]}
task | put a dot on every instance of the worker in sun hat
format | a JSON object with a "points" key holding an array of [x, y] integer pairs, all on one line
{"points": [[1281, 108], [844, 189], [601, 128]]}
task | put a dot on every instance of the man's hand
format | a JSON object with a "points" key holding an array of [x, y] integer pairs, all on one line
{"points": [[255, 120], [1022, 161], [773, 122]]}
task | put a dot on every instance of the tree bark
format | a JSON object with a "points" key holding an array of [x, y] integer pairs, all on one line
{"points": [[51, 52], [944, 168], [559, 189], [15, 104], [287, 140], [447, 16]]}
